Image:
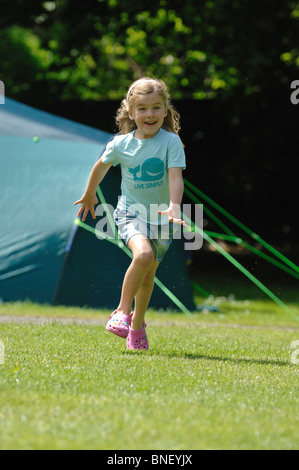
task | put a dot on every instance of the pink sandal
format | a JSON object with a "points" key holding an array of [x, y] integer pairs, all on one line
{"points": [[137, 339], [118, 324]]}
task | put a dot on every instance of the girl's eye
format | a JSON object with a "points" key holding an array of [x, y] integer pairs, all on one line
{"points": [[144, 109]]}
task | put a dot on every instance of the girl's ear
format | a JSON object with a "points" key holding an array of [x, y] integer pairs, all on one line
{"points": [[129, 113]]}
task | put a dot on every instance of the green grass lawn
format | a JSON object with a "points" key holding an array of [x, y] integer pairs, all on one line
{"points": [[220, 380]]}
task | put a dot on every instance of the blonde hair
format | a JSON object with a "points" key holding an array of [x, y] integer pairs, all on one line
{"points": [[145, 86]]}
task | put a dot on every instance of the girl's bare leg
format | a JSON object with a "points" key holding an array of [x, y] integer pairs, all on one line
{"points": [[143, 259], [143, 296]]}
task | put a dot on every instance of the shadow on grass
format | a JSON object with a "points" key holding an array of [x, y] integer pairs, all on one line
{"points": [[241, 360]]}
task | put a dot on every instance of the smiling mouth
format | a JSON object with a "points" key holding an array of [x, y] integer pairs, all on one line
{"points": [[150, 123]]}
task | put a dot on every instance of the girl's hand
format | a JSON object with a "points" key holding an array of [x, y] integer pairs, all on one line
{"points": [[88, 202], [173, 213]]}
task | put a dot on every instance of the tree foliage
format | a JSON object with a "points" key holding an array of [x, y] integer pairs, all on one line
{"points": [[94, 49]]}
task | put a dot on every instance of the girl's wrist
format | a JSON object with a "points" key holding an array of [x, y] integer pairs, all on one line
{"points": [[90, 193]]}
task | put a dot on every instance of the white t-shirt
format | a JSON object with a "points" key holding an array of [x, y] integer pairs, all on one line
{"points": [[144, 169]]}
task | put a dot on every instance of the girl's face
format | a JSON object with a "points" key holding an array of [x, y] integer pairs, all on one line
{"points": [[148, 112]]}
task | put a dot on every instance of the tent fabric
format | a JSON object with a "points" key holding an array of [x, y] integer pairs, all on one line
{"points": [[45, 164], [39, 182]]}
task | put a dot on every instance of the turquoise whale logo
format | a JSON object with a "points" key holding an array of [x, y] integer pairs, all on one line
{"points": [[151, 170]]}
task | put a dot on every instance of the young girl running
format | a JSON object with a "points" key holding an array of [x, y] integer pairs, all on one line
{"points": [[151, 156]]}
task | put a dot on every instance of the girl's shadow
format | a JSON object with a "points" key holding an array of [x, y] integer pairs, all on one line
{"points": [[241, 360]]}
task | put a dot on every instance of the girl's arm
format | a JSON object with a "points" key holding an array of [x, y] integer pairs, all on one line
{"points": [[176, 190], [89, 199]]}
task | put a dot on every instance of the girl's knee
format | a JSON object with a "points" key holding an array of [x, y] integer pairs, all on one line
{"points": [[145, 257], [142, 250]]}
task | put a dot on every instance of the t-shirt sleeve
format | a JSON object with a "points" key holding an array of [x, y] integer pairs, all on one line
{"points": [[110, 154], [176, 156]]}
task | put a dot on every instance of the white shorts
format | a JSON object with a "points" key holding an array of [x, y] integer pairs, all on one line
{"points": [[129, 225]]}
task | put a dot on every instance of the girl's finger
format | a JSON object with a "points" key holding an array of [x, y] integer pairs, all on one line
{"points": [[181, 222], [177, 221], [84, 214], [80, 201], [80, 211]]}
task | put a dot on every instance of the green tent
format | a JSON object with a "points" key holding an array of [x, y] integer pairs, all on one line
{"points": [[45, 256]]}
